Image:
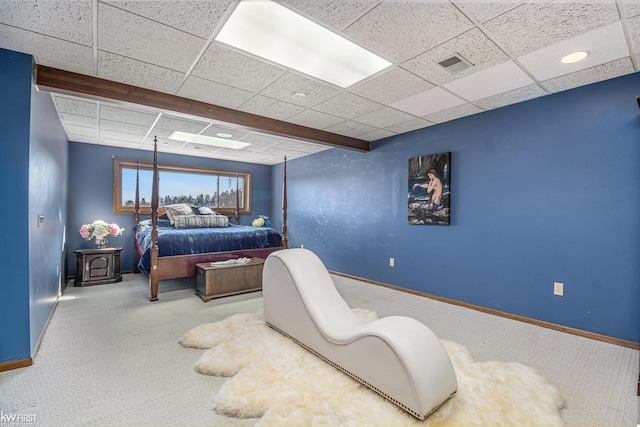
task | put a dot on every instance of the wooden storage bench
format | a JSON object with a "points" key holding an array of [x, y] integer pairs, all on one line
{"points": [[219, 280]]}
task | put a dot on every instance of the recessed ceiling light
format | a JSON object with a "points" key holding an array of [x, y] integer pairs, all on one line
{"points": [[298, 96], [207, 140], [271, 31], [224, 135], [574, 57]]}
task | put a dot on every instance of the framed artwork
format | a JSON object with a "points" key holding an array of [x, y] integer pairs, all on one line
{"points": [[429, 199]]}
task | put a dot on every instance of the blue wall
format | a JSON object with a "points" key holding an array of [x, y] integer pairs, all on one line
{"points": [[91, 190], [48, 153], [542, 191], [33, 156], [15, 85]]}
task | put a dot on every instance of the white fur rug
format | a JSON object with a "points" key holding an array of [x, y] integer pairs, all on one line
{"points": [[281, 383]]}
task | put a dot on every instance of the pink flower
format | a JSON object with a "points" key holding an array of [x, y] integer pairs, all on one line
{"points": [[115, 230], [84, 231]]}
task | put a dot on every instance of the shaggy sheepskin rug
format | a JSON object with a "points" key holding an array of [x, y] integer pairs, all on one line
{"points": [[276, 380]]}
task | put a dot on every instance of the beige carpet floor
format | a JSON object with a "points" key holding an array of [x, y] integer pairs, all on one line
{"points": [[110, 357]]}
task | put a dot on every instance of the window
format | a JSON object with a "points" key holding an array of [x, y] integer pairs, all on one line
{"points": [[180, 184]]}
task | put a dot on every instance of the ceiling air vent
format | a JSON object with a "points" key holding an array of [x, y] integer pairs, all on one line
{"points": [[455, 64]]}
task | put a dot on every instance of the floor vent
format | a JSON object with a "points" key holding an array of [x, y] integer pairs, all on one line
{"points": [[455, 64]]}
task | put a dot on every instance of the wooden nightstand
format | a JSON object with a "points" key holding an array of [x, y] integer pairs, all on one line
{"points": [[97, 266]]}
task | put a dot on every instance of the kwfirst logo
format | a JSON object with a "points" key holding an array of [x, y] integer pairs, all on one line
{"points": [[16, 420]]}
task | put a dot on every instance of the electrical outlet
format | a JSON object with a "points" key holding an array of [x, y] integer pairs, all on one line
{"points": [[558, 288], [392, 262]]}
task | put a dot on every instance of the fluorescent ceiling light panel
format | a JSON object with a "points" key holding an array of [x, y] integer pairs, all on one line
{"points": [[207, 140], [428, 102], [271, 31]]}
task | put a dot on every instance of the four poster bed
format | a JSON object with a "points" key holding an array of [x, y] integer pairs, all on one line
{"points": [[171, 248]]}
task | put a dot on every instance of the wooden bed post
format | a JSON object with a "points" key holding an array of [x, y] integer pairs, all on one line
{"points": [[136, 220], [153, 274], [284, 243], [237, 210]]}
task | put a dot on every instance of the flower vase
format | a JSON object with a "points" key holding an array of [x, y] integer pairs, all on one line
{"points": [[101, 242]]}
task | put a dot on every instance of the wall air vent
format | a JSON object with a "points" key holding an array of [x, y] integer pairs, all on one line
{"points": [[455, 64]]}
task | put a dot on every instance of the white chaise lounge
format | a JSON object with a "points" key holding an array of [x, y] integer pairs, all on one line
{"points": [[396, 356]]}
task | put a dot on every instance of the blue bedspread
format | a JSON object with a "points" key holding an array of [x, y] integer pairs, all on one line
{"points": [[202, 240]]}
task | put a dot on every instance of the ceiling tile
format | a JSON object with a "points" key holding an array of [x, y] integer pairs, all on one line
{"points": [[288, 144], [331, 13], [391, 86], [534, 25], [631, 8], [453, 113], [305, 147], [265, 158], [473, 46], [137, 73], [605, 44], [117, 143], [49, 50], [174, 123], [79, 130], [193, 16], [634, 32], [130, 128], [269, 107], [428, 102], [75, 105], [78, 120], [130, 35], [376, 135], [120, 136], [483, 11], [261, 141], [161, 134], [409, 125], [285, 143], [290, 83], [254, 148], [352, 129], [66, 20], [401, 30], [213, 93], [383, 117], [278, 152], [126, 115], [314, 119], [610, 70], [224, 65], [489, 82], [511, 97], [347, 105]]}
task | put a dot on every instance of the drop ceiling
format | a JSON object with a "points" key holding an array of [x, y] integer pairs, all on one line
{"points": [[514, 49]]}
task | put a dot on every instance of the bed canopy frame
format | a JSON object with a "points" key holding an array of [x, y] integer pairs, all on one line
{"points": [[172, 267]]}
